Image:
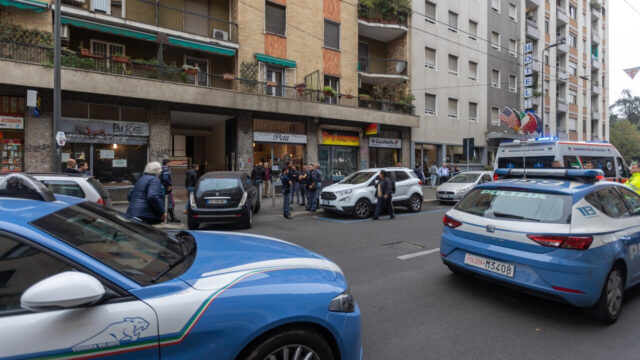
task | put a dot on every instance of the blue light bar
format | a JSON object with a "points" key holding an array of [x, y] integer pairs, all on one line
{"points": [[586, 174], [547, 138]]}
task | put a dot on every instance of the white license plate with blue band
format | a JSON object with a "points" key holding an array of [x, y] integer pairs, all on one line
{"points": [[216, 202], [490, 265], [325, 202]]}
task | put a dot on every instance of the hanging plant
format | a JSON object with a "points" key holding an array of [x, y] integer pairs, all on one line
{"points": [[328, 91]]}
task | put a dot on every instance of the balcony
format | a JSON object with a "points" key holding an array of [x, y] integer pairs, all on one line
{"points": [[595, 9], [595, 64], [381, 31], [562, 106], [596, 89], [562, 15], [153, 16], [536, 100], [386, 106], [533, 3], [595, 114], [532, 29], [377, 71], [595, 37], [563, 48], [562, 75], [536, 66]]}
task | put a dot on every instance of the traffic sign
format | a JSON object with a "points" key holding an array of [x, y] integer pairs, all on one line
{"points": [[61, 138]]}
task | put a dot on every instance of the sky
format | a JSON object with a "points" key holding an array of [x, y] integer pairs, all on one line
{"points": [[623, 47]]}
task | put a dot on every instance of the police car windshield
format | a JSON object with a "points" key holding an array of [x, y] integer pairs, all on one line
{"points": [[357, 178], [136, 250], [464, 178], [517, 205]]}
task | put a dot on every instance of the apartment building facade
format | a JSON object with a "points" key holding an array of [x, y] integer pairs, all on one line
{"points": [[222, 83]]}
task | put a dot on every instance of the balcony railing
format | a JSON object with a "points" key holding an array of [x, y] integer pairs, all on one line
{"points": [[43, 55], [382, 66], [162, 15]]}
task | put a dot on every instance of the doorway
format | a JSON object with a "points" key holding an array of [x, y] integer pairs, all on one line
{"points": [[337, 162]]}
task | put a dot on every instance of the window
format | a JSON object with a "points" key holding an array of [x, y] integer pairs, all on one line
{"points": [[430, 104], [473, 30], [573, 68], [513, 10], [573, 40], [64, 187], [275, 19], [453, 21], [573, 97], [632, 199], [513, 47], [453, 108], [495, 40], [622, 167], [22, 266], [495, 112], [331, 34], [473, 111], [495, 78], [612, 203], [495, 5], [513, 85], [107, 50], [430, 12], [572, 12], [430, 58], [453, 64], [334, 83], [400, 176], [546, 26], [573, 124], [473, 71]]}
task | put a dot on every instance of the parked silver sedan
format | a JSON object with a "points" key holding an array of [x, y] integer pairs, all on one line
{"points": [[458, 186]]}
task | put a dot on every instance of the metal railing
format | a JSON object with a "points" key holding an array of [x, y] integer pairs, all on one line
{"points": [[156, 13], [123, 66], [382, 66]]}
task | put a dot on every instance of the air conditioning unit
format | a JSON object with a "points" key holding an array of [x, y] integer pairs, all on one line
{"points": [[429, 112], [473, 78], [64, 32], [220, 35], [473, 118], [430, 66]]}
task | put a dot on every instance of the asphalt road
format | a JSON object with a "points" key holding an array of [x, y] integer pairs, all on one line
{"points": [[414, 308]]}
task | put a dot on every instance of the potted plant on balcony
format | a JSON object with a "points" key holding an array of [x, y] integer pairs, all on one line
{"points": [[328, 91], [117, 57], [595, 4], [190, 70], [300, 88], [348, 95], [228, 77]]}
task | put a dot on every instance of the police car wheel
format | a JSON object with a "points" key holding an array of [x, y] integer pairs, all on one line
{"points": [[607, 309], [291, 344], [362, 209]]}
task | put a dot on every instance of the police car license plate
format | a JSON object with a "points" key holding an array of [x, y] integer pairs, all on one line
{"points": [[216, 202], [490, 265]]}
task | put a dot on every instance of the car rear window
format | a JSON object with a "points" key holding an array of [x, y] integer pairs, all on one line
{"points": [[518, 205], [533, 162], [64, 187], [102, 191], [217, 184]]}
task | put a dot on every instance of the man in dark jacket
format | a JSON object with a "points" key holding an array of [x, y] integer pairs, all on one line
{"points": [[192, 180], [384, 193], [311, 182], [419, 173], [286, 193], [71, 167], [257, 175], [146, 199], [165, 178]]}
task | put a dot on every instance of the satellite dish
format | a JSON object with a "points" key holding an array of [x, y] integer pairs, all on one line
{"points": [[401, 66]]}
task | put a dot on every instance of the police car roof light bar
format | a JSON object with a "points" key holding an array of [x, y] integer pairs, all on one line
{"points": [[23, 186], [586, 175]]}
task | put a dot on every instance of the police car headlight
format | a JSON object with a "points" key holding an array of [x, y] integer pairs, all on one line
{"points": [[243, 200], [343, 303], [192, 201], [343, 192]]}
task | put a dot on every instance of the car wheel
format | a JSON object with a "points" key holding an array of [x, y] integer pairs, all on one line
{"points": [[607, 309], [256, 209], [362, 209], [248, 223], [291, 344], [415, 203], [192, 225]]}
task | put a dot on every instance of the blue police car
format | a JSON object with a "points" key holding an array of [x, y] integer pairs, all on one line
{"points": [[561, 234], [78, 280]]}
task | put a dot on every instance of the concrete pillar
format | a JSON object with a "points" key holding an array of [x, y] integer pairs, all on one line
{"points": [[38, 138], [312, 141], [406, 148], [442, 154], [244, 150], [412, 154], [363, 156], [159, 132]]}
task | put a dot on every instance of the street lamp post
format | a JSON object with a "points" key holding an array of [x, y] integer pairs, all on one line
{"points": [[544, 63], [57, 92]]}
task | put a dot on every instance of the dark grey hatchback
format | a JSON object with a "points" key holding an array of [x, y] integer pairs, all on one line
{"points": [[223, 197]]}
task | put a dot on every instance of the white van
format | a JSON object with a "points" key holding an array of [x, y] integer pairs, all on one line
{"points": [[543, 152]]}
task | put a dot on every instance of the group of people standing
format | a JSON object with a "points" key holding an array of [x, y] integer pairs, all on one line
{"points": [[302, 185], [261, 176]]}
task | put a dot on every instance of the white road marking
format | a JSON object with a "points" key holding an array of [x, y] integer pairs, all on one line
{"points": [[411, 256]]}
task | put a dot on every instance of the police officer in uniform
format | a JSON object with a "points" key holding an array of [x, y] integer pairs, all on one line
{"points": [[286, 193], [311, 187], [634, 181]]}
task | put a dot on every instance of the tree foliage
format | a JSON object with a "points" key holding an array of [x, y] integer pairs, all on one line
{"points": [[626, 138], [626, 107]]}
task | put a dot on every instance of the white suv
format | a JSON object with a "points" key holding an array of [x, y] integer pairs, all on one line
{"points": [[82, 186], [355, 194]]}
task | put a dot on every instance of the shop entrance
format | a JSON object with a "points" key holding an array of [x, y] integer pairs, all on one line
{"points": [[379, 157], [337, 162], [277, 156]]}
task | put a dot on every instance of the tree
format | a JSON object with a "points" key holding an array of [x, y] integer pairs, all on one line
{"points": [[626, 107], [626, 138]]}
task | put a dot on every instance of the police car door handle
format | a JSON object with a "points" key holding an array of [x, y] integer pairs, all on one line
{"points": [[626, 238]]}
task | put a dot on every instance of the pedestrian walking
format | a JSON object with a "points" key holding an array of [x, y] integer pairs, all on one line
{"points": [[287, 183], [257, 175], [419, 173], [192, 180], [71, 167], [267, 180], [433, 172], [146, 199], [318, 184], [443, 173], [83, 167], [165, 178], [384, 195], [302, 178], [311, 186]]}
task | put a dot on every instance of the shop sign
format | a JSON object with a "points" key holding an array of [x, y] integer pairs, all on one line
{"points": [[279, 138], [376, 142], [107, 154], [11, 122], [105, 132], [119, 163], [342, 138], [372, 129]]}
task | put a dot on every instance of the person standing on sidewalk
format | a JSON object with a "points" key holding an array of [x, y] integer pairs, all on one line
{"points": [[384, 194], [311, 182], [318, 184], [433, 172], [302, 178], [257, 175], [267, 180], [286, 193], [165, 178], [192, 180], [146, 201], [419, 173], [295, 190]]}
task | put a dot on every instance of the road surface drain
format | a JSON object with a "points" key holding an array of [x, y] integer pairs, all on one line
{"points": [[403, 246]]}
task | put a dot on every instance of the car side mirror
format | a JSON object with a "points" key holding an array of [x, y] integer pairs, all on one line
{"points": [[62, 291]]}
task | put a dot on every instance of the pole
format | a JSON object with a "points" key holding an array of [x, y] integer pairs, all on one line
{"points": [[544, 103], [57, 95]]}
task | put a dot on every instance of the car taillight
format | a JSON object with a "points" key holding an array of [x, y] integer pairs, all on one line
{"points": [[449, 222], [496, 177], [101, 202], [565, 242], [420, 182], [599, 177]]}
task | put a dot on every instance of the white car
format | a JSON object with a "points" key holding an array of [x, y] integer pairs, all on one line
{"points": [[458, 186], [80, 186], [355, 194]]}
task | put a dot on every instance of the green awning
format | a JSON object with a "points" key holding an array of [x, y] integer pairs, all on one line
{"points": [[107, 28], [276, 61], [202, 46], [35, 5]]}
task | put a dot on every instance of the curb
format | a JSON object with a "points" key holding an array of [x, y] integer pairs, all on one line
{"points": [[296, 214]]}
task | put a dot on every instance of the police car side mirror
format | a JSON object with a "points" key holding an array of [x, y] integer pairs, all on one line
{"points": [[62, 291]]}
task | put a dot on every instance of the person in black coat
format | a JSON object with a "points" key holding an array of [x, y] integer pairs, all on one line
{"points": [[165, 178], [384, 194], [71, 167], [192, 180], [146, 199]]}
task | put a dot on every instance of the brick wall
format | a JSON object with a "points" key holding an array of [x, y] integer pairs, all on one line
{"points": [[41, 21]]}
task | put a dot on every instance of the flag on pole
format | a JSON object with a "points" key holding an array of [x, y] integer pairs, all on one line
{"points": [[539, 124], [632, 71], [529, 124], [509, 117]]}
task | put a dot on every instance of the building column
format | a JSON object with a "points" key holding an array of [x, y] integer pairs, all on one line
{"points": [[364, 153], [406, 148], [159, 132], [38, 138], [244, 150], [312, 141]]}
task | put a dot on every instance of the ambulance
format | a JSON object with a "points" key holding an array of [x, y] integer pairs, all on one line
{"points": [[549, 152]]}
